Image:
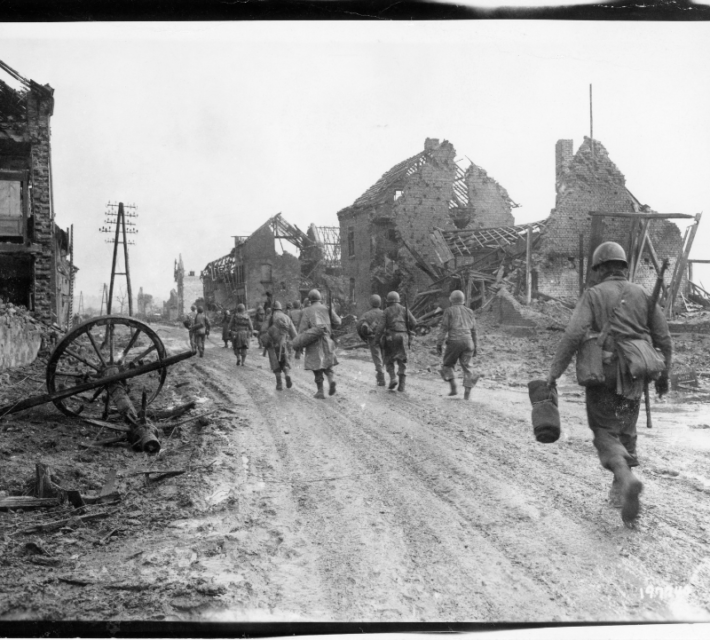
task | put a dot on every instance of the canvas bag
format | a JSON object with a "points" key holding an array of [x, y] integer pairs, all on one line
{"points": [[590, 357], [642, 360]]}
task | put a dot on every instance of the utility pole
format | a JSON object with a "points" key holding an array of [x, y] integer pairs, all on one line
{"points": [[70, 306], [80, 308], [115, 223], [104, 298], [591, 121]]}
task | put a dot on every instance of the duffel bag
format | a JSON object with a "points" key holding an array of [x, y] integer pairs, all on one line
{"points": [[309, 336]]}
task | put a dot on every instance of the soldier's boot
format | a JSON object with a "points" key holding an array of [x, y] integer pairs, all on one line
{"points": [[630, 488], [289, 383], [331, 386], [393, 382], [467, 390], [380, 379], [454, 391], [319, 394], [238, 360], [400, 387], [226, 346], [615, 498], [279, 384]]}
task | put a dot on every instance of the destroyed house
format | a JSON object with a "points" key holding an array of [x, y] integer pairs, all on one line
{"points": [[385, 233], [255, 265], [189, 288], [590, 189], [35, 269]]}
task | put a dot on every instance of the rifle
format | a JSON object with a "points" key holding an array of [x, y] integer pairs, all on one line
{"points": [[652, 309], [406, 323]]}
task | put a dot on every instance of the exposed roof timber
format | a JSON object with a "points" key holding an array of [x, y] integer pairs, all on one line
{"points": [[649, 216], [464, 242], [379, 190]]}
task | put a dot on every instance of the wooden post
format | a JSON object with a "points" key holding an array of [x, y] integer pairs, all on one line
{"points": [[581, 264], [681, 263], [528, 267]]}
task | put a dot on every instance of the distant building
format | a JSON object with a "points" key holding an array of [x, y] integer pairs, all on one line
{"points": [[189, 287], [255, 265], [35, 268]]}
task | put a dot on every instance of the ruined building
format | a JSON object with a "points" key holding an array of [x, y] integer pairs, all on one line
{"points": [[385, 233], [35, 269], [255, 265], [189, 289], [588, 181]]}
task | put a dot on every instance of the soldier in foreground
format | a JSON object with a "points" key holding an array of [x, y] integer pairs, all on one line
{"points": [[458, 328], [396, 327], [187, 323], [320, 354], [280, 330], [200, 329], [240, 330], [366, 329], [621, 312], [259, 316]]}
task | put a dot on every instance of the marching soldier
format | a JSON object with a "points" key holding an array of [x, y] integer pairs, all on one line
{"points": [[258, 321], [397, 324], [620, 311], [187, 323], [276, 338], [320, 355], [226, 319], [295, 315], [366, 329], [240, 330], [459, 326], [200, 329]]}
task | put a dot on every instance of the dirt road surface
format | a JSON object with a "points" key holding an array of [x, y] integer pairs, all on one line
{"points": [[386, 506]]}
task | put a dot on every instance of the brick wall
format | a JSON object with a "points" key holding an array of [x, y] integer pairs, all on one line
{"points": [[489, 201], [590, 181], [39, 112], [192, 290]]}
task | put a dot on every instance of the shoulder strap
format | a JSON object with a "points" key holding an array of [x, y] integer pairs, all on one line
{"points": [[607, 325]]}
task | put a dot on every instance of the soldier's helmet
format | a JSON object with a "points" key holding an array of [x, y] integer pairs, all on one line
{"points": [[297, 304], [193, 307], [200, 310], [240, 308], [276, 306], [608, 252], [314, 295], [260, 308], [456, 297], [289, 305], [375, 300], [392, 296]]}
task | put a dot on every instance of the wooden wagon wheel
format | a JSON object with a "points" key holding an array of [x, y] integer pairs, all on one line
{"points": [[100, 348]]}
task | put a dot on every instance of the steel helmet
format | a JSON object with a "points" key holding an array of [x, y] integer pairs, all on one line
{"points": [[200, 310], [297, 304], [240, 308], [375, 300], [457, 297], [276, 306], [392, 296], [607, 252], [314, 295]]}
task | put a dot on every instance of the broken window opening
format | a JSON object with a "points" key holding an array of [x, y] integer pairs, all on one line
{"points": [[351, 242], [398, 194], [265, 273]]}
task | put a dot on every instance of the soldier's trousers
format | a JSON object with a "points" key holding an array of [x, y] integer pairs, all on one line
{"points": [[612, 418], [395, 350], [376, 353], [279, 360], [320, 373], [200, 343], [460, 351]]}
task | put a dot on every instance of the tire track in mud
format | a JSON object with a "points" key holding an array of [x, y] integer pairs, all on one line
{"points": [[410, 517], [560, 552]]}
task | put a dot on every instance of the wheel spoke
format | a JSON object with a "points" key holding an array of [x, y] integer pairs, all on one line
{"points": [[132, 341], [80, 359], [143, 355], [96, 348], [110, 344], [66, 374]]}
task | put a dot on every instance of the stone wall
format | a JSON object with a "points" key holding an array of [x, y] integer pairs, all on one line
{"points": [[19, 342], [191, 290], [490, 203], [590, 181]]}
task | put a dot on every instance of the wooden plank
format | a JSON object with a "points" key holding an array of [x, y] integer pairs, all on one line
{"points": [[27, 502], [650, 216]]}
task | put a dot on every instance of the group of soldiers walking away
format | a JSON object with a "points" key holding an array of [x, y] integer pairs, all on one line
{"points": [[620, 315]]}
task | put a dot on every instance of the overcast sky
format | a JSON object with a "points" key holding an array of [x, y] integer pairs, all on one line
{"points": [[211, 128]]}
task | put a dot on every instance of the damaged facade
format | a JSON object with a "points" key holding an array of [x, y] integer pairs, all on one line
{"points": [[385, 233], [588, 181], [35, 269], [189, 291], [255, 266]]}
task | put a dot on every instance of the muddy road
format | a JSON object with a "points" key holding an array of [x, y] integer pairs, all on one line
{"points": [[386, 506]]}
